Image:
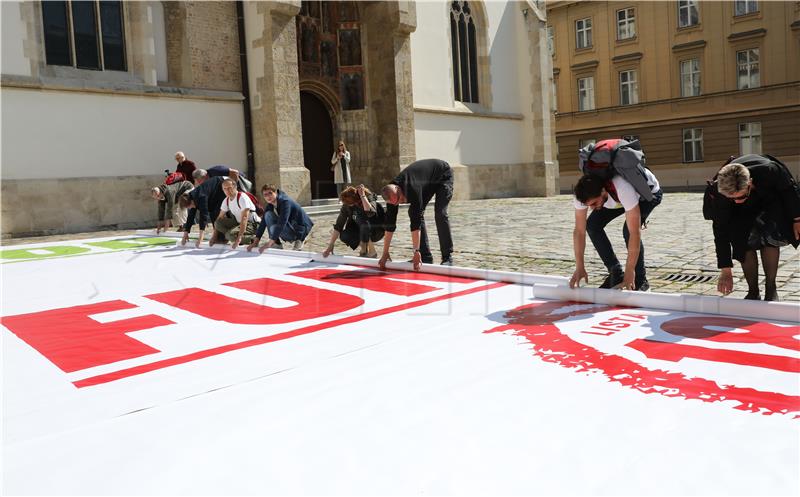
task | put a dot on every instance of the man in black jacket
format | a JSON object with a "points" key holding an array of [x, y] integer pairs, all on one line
{"points": [[417, 184], [207, 198]]}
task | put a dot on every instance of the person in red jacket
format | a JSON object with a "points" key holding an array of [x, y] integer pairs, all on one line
{"points": [[185, 166]]}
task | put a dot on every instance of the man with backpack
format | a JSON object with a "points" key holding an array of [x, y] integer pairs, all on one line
{"points": [[237, 220], [167, 195], [615, 181]]}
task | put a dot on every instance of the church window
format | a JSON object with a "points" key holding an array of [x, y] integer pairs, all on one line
{"points": [[86, 35], [464, 48]]}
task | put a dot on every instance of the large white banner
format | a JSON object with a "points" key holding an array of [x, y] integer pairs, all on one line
{"points": [[176, 370]]}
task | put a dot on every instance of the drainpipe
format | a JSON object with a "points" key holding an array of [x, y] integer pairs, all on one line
{"points": [[248, 118]]}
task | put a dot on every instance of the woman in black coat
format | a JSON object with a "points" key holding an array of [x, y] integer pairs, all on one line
{"points": [[757, 208]]}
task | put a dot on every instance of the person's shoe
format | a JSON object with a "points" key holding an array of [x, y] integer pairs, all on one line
{"points": [[772, 296], [614, 279], [752, 295], [447, 262], [643, 286], [278, 246], [298, 244]]}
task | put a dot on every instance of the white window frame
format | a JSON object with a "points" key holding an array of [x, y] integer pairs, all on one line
{"points": [[626, 26], [744, 7], [690, 77], [749, 60], [687, 7], [749, 138], [583, 33], [628, 87], [586, 87], [551, 40], [695, 140]]}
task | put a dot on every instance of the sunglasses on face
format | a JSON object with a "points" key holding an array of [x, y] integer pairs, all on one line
{"points": [[742, 197]]}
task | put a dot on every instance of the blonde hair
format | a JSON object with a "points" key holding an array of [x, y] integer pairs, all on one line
{"points": [[732, 178]]}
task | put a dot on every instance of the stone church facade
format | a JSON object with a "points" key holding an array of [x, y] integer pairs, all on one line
{"points": [[97, 97]]}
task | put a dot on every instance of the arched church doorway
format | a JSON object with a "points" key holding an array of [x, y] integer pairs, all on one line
{"points": [[317, 144]]}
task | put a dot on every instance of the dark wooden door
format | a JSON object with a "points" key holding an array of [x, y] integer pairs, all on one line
{"points": [[317, 145]]}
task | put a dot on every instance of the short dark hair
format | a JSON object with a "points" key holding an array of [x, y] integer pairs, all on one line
{"points": [[270, 186], [588, 187]]}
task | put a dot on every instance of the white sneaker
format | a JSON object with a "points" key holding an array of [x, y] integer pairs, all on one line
{"points": [[298, 244]]}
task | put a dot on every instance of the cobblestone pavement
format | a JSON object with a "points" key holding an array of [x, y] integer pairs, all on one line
{"points": [[534, 235]]}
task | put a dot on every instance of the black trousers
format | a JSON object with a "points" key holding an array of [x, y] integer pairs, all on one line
{"points": [[361, 229], [595, 227], [443, 195]]}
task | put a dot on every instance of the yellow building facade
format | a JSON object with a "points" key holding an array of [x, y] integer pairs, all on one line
{"points": [[694, 81]]}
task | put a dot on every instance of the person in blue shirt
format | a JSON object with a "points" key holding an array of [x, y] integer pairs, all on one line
{"points": [[284, 221]]}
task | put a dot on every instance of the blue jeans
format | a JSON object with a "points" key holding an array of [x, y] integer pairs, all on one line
{"points": [[595, 227], [290, 233]]}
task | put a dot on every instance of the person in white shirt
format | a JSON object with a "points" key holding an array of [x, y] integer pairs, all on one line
{"points": [[609, 200], [237, 219]]}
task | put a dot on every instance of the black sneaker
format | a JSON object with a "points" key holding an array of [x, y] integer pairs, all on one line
{"points": [[613, 279], [643, 286]]}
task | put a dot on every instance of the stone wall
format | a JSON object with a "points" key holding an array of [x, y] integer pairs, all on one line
{"points": [[71, 205], [479, 181], [203, 45]]}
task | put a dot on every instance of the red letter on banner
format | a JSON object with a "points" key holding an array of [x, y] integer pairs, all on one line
{"points": [[311, 302], [697, 327], [73, 341], [381, 281]]}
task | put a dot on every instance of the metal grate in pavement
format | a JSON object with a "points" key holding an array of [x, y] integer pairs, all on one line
{"points": [[687, 278]]}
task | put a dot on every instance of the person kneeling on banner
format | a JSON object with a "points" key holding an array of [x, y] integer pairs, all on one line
{"points": [[204, 200], [237, 220], [615, 181], [284, 221], [167, 195], [754, 203], [360, 222]]}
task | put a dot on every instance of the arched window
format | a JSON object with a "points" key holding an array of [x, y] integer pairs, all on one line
{"points": [[465, 52]]}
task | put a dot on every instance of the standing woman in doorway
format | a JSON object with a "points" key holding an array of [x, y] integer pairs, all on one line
{"points": [[340, 165]]}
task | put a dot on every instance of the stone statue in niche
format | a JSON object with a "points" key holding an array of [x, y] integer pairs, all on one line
{"points": [[352, 91], [347, 12], [350, 47], [307, 43], [327, 18], [328, 58], [313, 9]]}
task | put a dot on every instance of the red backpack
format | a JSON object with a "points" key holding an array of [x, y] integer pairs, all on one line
{"points": [[175, 177], [259, 209]]}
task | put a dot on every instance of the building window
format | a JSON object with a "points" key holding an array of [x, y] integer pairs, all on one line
{"points": [[626, 24], [463, 40], [747, 69], [688, 13], [628, 88], [583, 33], [551, 40], [749, 138], [690, 78], [630, 138], [693, 145], [86, 35], [586, 142], [586, 93], [744, 7]]}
